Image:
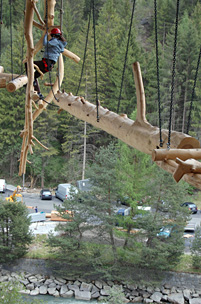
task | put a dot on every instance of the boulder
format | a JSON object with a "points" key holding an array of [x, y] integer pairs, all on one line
{"points": [[51, 291], [73, 287], [63, 290], [176, 298], [25, 292], [98, 284], [156, 297], [34, 292], [3, 278], [82, 295], [147, 301], [30, 286], [195, 301], [43, 289], [56, 294], [95, 295], [105, 291], [86, 287], [187, 294], [68, 294]]}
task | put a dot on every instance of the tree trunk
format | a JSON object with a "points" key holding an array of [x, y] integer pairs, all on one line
{"points": [[139, 134]]}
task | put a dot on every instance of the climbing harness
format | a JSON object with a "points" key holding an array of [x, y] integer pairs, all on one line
{"points": [[129, 34], [173, 74], [157, 72]]}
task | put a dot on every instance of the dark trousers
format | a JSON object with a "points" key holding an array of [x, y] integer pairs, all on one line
{"points": [[44, 66]]}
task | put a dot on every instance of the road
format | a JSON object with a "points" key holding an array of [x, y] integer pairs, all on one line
{"points": [[33, 200]]}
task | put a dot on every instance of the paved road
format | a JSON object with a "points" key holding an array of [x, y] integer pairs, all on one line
{"points": [[33, 199]]}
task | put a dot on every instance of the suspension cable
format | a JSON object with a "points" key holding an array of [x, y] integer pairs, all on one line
{"points": [[125, 60], [11, 38], [173, 74], [193, 93], [95, 61], [85, 51], [1, 22], [157, 72]]}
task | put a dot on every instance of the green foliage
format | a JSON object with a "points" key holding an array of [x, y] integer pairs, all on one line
{"points": [[116, 295], [9, 294], [196, 249], [14, 231]]}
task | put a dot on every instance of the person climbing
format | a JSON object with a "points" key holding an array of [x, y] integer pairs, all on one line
{"points": [[53, 48]]}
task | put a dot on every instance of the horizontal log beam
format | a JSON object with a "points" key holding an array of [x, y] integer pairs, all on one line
{"points": [[183, 154], [71, 55], [16, 84]]}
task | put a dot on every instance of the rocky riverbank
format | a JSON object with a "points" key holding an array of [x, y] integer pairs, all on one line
{"points": [[37, 284]]}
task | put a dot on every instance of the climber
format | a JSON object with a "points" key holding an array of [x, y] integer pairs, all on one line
{"points": [[53, 48]]}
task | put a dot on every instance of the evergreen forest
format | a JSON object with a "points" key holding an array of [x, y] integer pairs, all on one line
{"points": [[64, 134]]}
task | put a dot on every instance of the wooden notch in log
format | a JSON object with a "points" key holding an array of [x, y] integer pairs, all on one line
{"points": [[16, 84], [184, 167], [183, 154]]}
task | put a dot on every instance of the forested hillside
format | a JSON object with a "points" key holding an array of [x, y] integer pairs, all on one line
{"points": [[62, 133]]}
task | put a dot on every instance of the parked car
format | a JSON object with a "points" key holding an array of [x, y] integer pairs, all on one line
{"points": [[45, 194], [191, 206], [65, 191], [166, 231], [3, 185]]}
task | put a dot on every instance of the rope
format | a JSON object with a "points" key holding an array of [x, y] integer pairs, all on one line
{"points": [[129, 34], [158, 78], [46, 17], [95, 61], [85, 51], [1, 18], [23, 38], [11, 37], [173, 74], [193, 93]]}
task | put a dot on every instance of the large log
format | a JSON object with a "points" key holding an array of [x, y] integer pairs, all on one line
{"points": [[183, 154], [16, 84], [138, 134]]}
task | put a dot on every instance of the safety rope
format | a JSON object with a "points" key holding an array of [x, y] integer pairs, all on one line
{"points": [[173, 74], [193, 93], [95, 61], [23, 40], [1, 21], [46, 17], [11, 38], [158, 76], [85, 51], [125, 60]]}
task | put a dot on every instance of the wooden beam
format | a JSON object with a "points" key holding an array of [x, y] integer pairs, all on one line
{"points": [[183, 154], [16, 84], [71, 55]]}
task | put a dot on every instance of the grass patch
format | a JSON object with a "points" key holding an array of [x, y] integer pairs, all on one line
{"points": [[39, 248]]}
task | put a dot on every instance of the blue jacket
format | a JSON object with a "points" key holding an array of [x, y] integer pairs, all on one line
{"points": [[53, 48]]}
